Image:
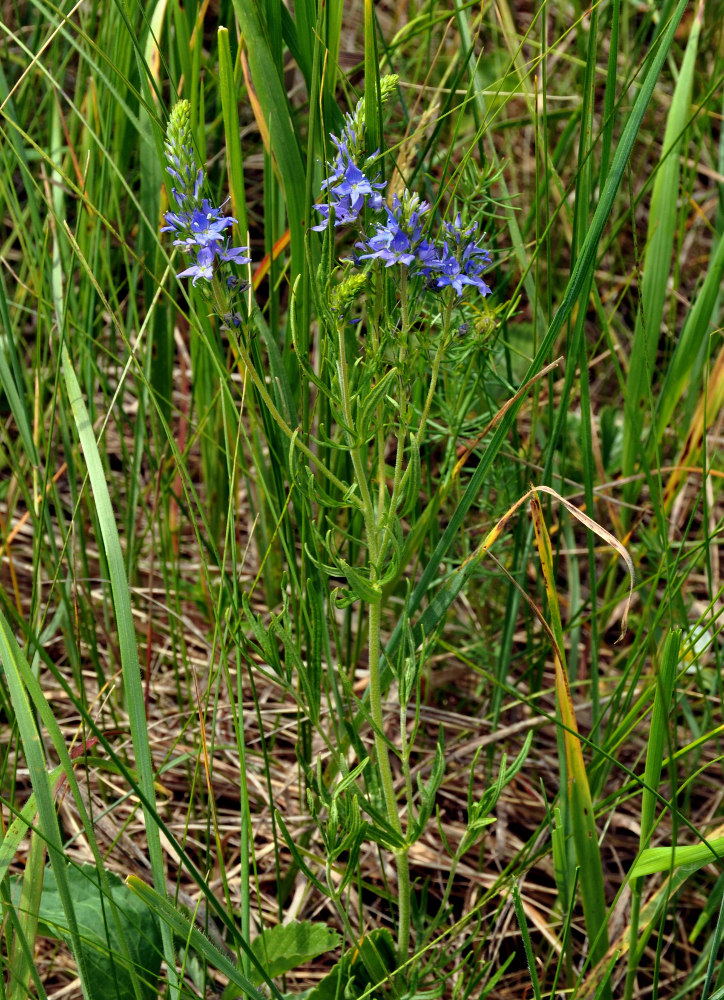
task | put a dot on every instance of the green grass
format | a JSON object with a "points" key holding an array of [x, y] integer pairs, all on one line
{"points": [[277, 634]]}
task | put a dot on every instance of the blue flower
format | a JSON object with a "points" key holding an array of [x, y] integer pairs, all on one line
{"points": [[348, 188], [460, 262], [202, 226], [400, 239], [233, 255], [203, 268], [198, 225]]}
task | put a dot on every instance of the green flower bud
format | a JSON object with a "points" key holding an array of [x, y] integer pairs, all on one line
{"points": [[345, 293]]}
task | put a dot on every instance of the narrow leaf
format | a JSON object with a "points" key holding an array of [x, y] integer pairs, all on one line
{"points": [[662, 859]]}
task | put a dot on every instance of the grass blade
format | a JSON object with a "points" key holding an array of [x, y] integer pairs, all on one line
{"points": [[187, 931], [662, 859], [661, 714], [126, 636], [12, 659], [525, 934], [581, 810], [283, 143], [657, 264], [232, 132]]}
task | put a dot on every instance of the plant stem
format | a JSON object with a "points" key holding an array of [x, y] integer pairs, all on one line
{"points": [[382, 756], [388, 789], [437, 361], [243, 356]]}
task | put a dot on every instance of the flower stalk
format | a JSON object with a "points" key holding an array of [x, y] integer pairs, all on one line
{"points": [[399, 239], [374, 538]]}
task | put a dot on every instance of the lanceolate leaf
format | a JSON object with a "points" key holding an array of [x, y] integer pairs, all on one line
{"points": [[125, 625], [10, 658], [184, 928], [662, 859], [660, 242]]}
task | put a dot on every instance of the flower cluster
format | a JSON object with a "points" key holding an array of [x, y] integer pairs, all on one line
{"points": [[199, 227], [400, 239], [461, 261], [347, 186], [458, 262]]}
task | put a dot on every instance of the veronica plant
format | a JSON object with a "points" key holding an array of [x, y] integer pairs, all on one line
{"points": [[201, 230], [425, 276], [404, 281]]}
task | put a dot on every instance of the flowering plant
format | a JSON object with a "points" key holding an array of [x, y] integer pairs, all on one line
{"points": [[403, 236], [410, 279], [199, 227]]}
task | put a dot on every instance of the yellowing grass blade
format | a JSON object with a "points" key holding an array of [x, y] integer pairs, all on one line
{"points": [[707, 411], [605, 536], [579, 794]]}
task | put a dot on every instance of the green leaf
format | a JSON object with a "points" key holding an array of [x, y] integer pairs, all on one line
{"points": [[19, 826], [429, 791], [282, 948], [663, 859], [130, 665], [412, 481], [13, 664], [102, 932], [657, 264], [232, 131], [362, 587], [368, 965], [9, 383], [367, 407], [185, 929], [685, 367], [277, 113], [349, 779]]}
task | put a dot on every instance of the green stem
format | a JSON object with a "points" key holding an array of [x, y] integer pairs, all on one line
{"points": [[387, 518], [634, 954], [243, 355], [437, 361], [388, 789], [358, 463], [381, 751], [382, 756], [381, 479], [405, 331]]}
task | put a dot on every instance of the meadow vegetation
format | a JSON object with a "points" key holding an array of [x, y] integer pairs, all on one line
{"points": [[361, 499]]}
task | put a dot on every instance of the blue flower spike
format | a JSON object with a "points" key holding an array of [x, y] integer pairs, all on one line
{"points": [[461, 261], [349, 185], [199, 227], [400, 239]]}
